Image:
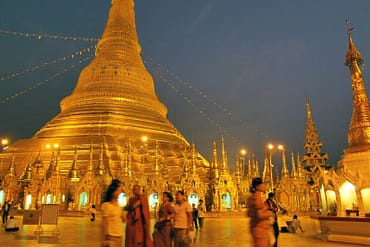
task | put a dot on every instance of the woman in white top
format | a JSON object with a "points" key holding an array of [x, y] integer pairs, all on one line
{"points": [[112, 216]]}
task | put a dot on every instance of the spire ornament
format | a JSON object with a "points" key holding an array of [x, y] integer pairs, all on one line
{"points": [[359, 129]]}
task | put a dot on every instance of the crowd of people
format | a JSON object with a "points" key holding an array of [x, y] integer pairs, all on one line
{"points": [[174, 225], [175, 221]]}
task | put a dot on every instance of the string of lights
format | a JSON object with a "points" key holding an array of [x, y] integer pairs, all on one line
{"points": [[43, 82], [47, 63], [158, 67], [46, 36], [203, 113]]}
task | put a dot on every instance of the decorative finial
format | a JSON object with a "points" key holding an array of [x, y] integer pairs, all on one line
{"points": [[349, 28]]}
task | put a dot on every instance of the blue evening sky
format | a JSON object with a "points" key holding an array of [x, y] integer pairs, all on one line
{"points": [[258, 59]]}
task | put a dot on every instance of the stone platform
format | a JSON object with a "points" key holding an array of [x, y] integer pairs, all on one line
{"points": [[217, 232]]}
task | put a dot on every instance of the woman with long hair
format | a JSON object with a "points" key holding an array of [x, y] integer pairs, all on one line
{"points": [[112, 216], [162, 234], [259, 215]]}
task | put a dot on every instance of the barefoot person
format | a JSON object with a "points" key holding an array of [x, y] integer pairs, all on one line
{"points": [[112, 216], [162, 234], [259, 215], [138, 220]]}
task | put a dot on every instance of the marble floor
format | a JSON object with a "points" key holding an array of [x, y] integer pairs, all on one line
{"points": [[217, 232]]}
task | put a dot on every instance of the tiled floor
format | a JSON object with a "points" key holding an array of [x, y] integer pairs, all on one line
{"points": [[217, 232]]}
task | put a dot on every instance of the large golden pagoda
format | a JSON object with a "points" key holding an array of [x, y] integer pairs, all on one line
{"points": [[99, 131]]}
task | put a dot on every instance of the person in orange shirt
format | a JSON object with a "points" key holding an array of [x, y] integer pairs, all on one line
{"points": [[259, 214]]}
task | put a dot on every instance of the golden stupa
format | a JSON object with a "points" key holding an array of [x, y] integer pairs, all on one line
{"points": [[356, 158], [112, 124]]}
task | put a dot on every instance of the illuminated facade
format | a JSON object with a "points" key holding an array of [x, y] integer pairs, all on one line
{"points": [[112, 126], [349, 187]]}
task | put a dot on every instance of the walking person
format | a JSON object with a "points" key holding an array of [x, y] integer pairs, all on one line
{"points": [[201, 214], [92, 213], [112, 216], [183, 219], [272, 205], [195, 216], [11, 225], [5, 211], [138, 220], [259, 215], [162, 235]]}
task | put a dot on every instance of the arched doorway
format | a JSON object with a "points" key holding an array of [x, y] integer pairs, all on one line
{"points": [[28, 203], [153, 202], [48, 198], [331, 201], [122, 199], [226, 201], [83, 199], [348, 195], [365, 193], [194, 199], [1, 197]]}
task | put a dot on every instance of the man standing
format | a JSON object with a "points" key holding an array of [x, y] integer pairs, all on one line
{"points": [[138, 220], [183, 219], [5, 211], [201, 214], [273, 207], [195, 216]]}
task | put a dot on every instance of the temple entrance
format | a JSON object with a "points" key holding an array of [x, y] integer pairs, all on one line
{"points": [[348, 195], [28, 203], [194, 199], [153, 202], [1, 197], [83, 199], [365, 193], [226, 201], [331, 201], [48, 199], [122, 200]]}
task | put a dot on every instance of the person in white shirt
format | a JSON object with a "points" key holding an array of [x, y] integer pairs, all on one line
{"points": [[295, 225], [201, 214], [11, 225], [183, 219], [112, 216]]}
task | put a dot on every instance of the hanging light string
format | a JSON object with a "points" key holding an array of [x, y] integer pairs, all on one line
{"points": [[47, 63], [198, 109], [47, 36], [151, 64], [43, 82]]}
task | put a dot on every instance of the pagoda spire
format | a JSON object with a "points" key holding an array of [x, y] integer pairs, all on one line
{"points": [[237, 169], [313, 158], [294, 169], [11, 170], [224, 166], [90, 167], [51, 166], [74, 172], [214, 161], [100, 169], [284, 171], [359, 128], [193, 159], [267, 170], [300, 169], [156, 159], [249, 168], [28, 173]]}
